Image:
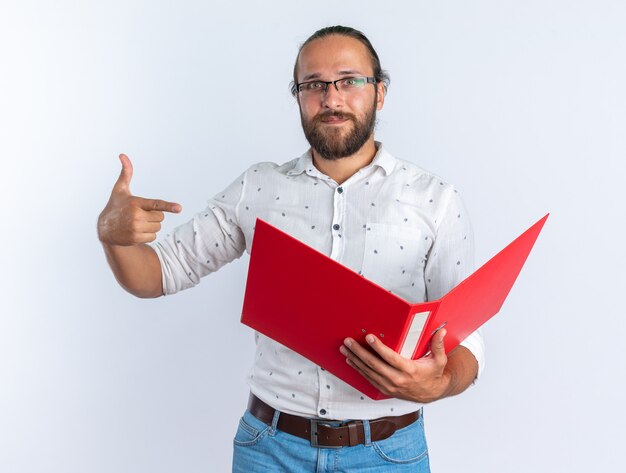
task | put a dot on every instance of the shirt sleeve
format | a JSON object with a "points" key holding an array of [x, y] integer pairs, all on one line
{"points": [[451, 260], [211, 239]]}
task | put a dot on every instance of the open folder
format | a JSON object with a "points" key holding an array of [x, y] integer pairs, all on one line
{"points": [[310, 303]]}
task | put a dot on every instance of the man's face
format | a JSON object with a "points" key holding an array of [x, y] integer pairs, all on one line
{"points": [[337, 124]]}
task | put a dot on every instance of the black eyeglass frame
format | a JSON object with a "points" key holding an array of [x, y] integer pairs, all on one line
{"points": [[368, 80]]}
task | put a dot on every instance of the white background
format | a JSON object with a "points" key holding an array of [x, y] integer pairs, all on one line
{"points": [[520, 104]]}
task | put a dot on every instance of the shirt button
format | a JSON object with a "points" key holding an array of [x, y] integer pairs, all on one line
{"points": [[336, 226], [323, 412], [340, 190]]}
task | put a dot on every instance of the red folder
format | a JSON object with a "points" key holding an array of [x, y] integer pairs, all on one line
{"points": [[310, 303]]}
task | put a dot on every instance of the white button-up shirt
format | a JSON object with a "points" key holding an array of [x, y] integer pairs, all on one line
{"points": [[393, 222]]}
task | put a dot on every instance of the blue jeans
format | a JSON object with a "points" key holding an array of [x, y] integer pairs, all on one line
{"points": [[261, 448]]}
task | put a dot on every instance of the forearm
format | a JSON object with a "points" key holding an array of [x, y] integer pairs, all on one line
{"points": [[136, 268], [460, 371]]}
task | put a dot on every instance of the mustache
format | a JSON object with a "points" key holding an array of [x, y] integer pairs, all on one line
{"points": [[334, 114]]}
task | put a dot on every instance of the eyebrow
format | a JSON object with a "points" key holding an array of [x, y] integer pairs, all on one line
{"points": [[346, 72]]}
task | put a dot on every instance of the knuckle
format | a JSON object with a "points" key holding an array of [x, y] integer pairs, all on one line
{"points": [[398, 382], [134, 226], [137, 238]]}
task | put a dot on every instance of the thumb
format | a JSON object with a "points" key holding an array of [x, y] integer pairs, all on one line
{"points": [[123, 182], [437, 347]]}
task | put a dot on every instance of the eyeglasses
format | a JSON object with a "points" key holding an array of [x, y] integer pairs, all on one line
{"points": [[345, 85]]}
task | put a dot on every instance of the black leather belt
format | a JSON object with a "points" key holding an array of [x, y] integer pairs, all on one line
{"points": [[321, 434]]}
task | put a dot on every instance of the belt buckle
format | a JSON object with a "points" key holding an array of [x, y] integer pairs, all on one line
{"points": [[314, 436]]}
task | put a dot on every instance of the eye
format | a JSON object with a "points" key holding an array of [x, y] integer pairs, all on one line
{"points": [[313, 86], [352, 82]]}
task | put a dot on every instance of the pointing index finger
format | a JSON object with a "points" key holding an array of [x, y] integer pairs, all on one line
{"points": [[158, 204]]}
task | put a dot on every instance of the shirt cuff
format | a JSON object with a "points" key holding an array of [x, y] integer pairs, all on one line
{"points": [[476, 345], [159, 252]]}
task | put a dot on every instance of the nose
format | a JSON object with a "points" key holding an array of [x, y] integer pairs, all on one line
{"points": [[332, 98]]}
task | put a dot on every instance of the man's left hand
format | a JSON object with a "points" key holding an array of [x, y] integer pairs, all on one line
{"points": [[423, 380]]}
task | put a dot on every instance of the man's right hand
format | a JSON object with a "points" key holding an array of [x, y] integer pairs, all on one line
{"points": [[129, 220]]}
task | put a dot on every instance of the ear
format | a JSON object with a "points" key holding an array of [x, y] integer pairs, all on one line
{"points": [[380, 99]]}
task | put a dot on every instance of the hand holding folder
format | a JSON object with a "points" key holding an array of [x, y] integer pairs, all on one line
{"points": [[281, 265]]}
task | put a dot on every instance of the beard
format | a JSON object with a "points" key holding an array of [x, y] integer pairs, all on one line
{"points": [[330, 142]]}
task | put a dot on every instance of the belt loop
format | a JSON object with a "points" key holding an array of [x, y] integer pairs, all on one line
{"points": [[366, 433], [272, 430], [353, 433]]}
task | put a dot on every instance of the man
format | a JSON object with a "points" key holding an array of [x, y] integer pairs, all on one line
{"points": [[350, 198]]}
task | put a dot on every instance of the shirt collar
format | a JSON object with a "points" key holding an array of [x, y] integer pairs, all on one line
{"points": [[303, 163], [382, 159]]}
